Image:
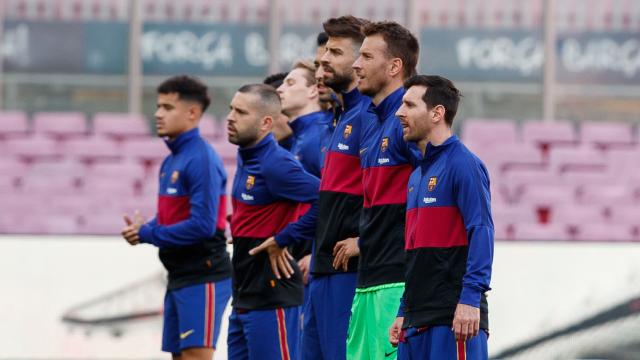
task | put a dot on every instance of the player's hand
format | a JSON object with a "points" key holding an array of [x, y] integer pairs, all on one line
{"points": [[131, 232], [304, 265], [466, 322], [343, 251], [278, 257], [394, 331]]}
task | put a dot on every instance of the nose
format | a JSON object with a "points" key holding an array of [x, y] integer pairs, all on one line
{"points": [[401, 112], [356, 64]]}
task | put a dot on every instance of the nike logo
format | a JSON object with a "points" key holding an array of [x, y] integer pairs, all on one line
{"points": [[387, 354], [185, 334], [363, 150]]}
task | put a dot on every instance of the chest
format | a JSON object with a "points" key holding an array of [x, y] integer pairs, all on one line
{"points": [[431, 185], [381, 146], [174, 179], [346, 136], [250, 186]]}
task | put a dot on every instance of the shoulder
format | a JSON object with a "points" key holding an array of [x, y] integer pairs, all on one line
{"points": [[277, 160], [464, 162]]}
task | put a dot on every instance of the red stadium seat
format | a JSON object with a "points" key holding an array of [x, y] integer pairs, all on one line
{"points": [[536, 231], [146, 149], [93, 149], [492, 133], [607, 134], [33, 148], [13, 124], [120, 126], [60, 125], [548, 134]]}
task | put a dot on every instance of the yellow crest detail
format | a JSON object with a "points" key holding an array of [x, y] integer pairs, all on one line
{"points": [[347, 131], [385, 144], [433, 181], [251, 180], [174, 176]]}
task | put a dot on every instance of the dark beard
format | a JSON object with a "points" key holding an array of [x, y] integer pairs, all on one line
{"points": [[340, 83]]}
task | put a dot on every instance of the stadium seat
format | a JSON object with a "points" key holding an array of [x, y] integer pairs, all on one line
{"points": [[512, 156], [607, 134], [603, 232], [60, 125], [13, 124], [516, 180], [66, 167], [536, 231], [208, 127], [146, 149], [33, 148], [493, 133], [103, 222], [107, 187], [120, 126], [93, 149], [48, 185], [12, 167], [117, 171], [548, 134], [603, 194], [576, 159]]}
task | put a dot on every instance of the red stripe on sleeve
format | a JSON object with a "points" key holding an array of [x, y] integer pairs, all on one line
{"points": [[341, 173], [222, 213], [434, 227], [385, 185], [173, 209], [261, 221]]}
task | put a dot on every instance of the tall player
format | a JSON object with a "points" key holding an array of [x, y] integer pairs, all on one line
{"points": [[388, 56], [449, 233], [267, 190], [332, 289], [189, 226]]}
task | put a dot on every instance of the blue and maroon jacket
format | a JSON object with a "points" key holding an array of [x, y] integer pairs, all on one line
{"points": [[189, 226], [387, 162], [309, 134], [449, 236], [340, 203], [267, 190]]}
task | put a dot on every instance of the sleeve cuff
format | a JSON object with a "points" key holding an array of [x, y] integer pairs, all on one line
{"points": [[283, 239], [470, 296], [145, 234], [401, 308]]}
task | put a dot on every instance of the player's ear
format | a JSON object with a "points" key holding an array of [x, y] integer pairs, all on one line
{"points": [[438, 113], [266, 123], [313, 91], [395, 67]]}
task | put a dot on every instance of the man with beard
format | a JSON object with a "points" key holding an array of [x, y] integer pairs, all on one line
{"points": [[327, 97], [326, 317], [449, 234], [268, 187], [388, 55]]}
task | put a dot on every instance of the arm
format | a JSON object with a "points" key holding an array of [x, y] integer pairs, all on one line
{"points": [[290, 181], [204, 184], [471, 192]]}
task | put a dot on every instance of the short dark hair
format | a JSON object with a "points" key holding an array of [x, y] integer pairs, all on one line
{"points": [[269, 98], [275, 80], [401, 43], [345, 27], [188, 88], [322, 38], [440, 91]]}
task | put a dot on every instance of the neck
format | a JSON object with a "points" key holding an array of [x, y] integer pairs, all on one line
{"points": [[436, 137], [256, 141], [352, 85], [189, 128], [311, 107], [392, 86]]}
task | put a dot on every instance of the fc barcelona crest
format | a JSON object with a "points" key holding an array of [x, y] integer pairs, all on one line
{"points": [[385, 144], [433, 181], [347, 131], [174, 176], [251, 180]]}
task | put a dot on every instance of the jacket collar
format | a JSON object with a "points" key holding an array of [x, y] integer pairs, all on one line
{"points": [[303, 122], [254, 151], [432, 151], [179, 142], [351, 99], [389, 105]]}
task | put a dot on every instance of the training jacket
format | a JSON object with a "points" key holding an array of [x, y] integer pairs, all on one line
{"points": [[189, 226], [449, 237], [340, 203], [387, 162], [268, 187], [309, 132]]}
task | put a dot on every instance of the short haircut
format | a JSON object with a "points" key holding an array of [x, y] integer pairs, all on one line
{"points": [[275, 80], [440, 91], [268, 96], [345, 27], [188, 88], [322, 39], [401, 43], [309, 70]]}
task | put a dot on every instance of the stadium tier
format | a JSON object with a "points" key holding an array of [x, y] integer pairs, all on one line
{"points": [[61, 173], [571, 14]]}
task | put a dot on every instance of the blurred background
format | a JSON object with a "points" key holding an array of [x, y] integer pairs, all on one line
{"points": [[551, 105]]}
